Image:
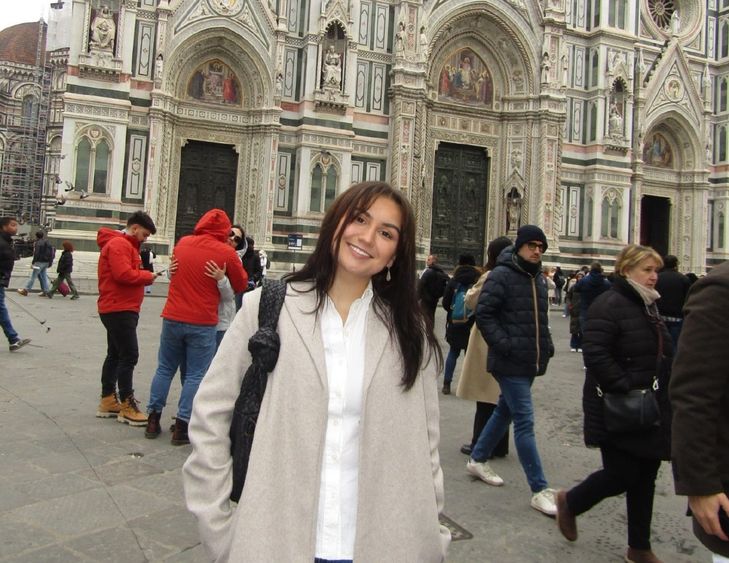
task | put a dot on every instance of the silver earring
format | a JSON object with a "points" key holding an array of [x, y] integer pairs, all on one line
{"points": [[387, 276]]}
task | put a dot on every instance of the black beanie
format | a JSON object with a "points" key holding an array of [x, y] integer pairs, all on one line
{"points": [[529, 233]]}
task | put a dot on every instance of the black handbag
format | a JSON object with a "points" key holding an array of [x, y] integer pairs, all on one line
{"points": [[637, 409], [264, 348]]}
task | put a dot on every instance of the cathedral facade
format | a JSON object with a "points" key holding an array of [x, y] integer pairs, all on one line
{"points": [[602, 121]]}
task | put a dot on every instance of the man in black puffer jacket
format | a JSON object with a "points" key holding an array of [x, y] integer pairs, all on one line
{"points": [[512, 317]]}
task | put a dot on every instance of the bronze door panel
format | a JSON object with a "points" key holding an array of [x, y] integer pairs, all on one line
{"points": [[207, 180], [460, 187]]}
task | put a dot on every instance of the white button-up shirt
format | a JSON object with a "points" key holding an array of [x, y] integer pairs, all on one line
{"points": [[344, 353]]}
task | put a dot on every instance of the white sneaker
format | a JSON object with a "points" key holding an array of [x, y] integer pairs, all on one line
{"points": [[544, 502], [573, 349], [483, 471]]}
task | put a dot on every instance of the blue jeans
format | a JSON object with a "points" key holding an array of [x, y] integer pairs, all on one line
{"points": [[515, 403], [181, 343], [39, 271], [8, 329], [674, 329], [450, 363]]}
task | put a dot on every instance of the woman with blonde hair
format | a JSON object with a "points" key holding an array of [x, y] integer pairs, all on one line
{"points": [[627, 353], [344, 461], [475, 383]]}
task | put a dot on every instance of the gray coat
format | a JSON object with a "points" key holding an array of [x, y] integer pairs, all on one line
{"points": [[400, 478]]}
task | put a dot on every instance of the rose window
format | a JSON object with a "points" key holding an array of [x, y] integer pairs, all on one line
{"points": [[661, 12]]}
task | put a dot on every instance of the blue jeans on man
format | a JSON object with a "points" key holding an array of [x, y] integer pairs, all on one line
{"points": [[181, 344], [674, 329], [40, 271], [515, 403], [8, 329]]}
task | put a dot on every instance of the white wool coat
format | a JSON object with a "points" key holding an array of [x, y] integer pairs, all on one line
{"points": [[400, 479]]}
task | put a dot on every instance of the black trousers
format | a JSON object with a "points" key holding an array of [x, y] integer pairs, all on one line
{"points": [[483, 413], [122, 353], [621, 473]]}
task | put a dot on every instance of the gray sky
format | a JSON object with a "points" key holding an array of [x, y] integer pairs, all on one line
{"points": [[19, 11]]}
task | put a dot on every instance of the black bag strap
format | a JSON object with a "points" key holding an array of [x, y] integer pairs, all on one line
{"points": [[264, 344]]}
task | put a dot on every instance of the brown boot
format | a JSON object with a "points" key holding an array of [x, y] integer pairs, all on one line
{"points": [[446, 388], [641, 556], [565, 517], [179, 436], [153, 426], [130, 413], [109, 407]]}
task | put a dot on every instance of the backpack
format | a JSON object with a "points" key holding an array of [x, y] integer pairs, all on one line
{"points": [[460, 313]]}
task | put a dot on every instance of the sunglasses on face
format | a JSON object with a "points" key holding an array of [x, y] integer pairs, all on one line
{"points": [[235, 237], [535, 246]]}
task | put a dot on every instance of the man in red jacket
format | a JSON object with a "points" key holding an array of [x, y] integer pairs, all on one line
{"points": [[121, 290], [190, 317]]}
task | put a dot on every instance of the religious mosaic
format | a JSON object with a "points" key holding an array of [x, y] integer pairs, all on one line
{"points": [[465, 79], [657, 151], [214, 82]]}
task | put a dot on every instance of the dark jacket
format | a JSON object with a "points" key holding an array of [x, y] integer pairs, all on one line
{"points": [[431, 286], [620, 346], [512, 317], [7, 258], [573, 300], [590, 287], [457, 334], [65, 263], [252, 265], [700, 396], [673, 287], [43, 251]]}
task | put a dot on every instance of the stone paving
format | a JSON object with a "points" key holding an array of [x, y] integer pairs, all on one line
{"points": [[77, 488]]}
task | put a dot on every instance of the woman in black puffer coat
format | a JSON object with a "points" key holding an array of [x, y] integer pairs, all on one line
{"points": [[625, 347]]}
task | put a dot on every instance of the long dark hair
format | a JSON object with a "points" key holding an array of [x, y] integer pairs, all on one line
{"points": [[494, 249], [395, 301]]}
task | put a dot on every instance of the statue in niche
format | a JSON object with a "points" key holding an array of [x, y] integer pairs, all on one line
{"points": [[513, 210], [545, 68], [423, 40], [332, 69], [400, 39], [103, 30], [565, 65], [675, 23], [615, 120], [159, 67]]}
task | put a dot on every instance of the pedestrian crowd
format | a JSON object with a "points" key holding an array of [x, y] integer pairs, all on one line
{"points": [[311, 403]]}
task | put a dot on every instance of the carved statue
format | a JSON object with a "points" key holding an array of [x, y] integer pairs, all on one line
{"points": [[675, 23], [615, 121], [103, 30], [513, 211], [332, 69], [423, 40], [400, 39], [159, 67], [279, 83], [565, 65], [545, 68]]}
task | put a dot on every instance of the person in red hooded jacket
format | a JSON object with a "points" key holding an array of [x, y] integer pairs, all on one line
{"points": [[121, 290], [190, 317]]}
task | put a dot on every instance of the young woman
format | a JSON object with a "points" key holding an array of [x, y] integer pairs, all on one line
{"points": [[476, 384], [344, 464], [626, 347]]}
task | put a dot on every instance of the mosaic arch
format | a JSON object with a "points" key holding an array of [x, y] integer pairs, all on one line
{"points": [[465, 78], [657, 151], [214, 82]]}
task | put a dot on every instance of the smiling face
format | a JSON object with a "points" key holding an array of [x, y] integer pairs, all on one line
{"points": [[368, 244], [644, 272]]}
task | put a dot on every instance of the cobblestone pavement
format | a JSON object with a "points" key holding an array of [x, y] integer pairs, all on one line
{"points": [[77, 488]]}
